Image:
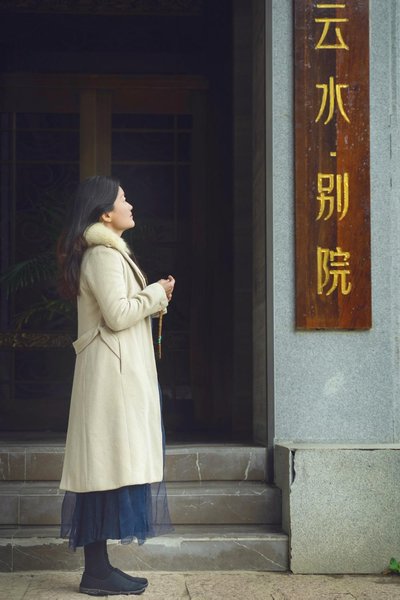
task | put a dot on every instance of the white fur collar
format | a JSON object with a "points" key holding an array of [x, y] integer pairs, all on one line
{"points": [[100, 235]]}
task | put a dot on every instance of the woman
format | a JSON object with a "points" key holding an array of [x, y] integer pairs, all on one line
{"points": [[114, 447]]}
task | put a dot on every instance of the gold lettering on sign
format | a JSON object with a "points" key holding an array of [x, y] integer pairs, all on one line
{"points": [[331, 125], [327, 195], [333, 266], [335, 93], [341, 45]]}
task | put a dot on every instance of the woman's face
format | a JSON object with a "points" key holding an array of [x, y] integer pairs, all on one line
{"points": [[120, 218]]}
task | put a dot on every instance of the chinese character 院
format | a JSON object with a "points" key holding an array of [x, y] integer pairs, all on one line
{"points": [[333, 266]]}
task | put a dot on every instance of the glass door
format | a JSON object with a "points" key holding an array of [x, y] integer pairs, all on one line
{"points": [[39, 164], [151, 155], [43, 154]]}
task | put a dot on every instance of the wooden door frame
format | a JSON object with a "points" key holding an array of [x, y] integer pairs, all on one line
{"points": [[24, 92], [95, 98]]}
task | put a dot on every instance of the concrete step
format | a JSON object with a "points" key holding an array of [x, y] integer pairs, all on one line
{"points": [[218, 547], [36, 461], [39, 503]]}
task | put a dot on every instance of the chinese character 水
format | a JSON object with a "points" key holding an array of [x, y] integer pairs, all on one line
{"points": [[335, 93]]}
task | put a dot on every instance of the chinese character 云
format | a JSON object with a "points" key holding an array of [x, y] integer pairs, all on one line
{"points": [[341, 44]]}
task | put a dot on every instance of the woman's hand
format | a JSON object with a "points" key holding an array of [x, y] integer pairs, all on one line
{"points": [[168, 285]]}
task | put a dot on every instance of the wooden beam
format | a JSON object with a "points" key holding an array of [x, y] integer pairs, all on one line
{"points": [[95, 133]]}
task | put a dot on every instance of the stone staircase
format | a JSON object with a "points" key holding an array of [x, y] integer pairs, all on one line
{"points": [[225, 516]]}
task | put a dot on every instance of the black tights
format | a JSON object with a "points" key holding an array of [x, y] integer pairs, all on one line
{"points": [[96, 560]]}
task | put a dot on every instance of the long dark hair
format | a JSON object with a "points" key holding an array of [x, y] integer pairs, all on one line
{"points": [[94, 196]]}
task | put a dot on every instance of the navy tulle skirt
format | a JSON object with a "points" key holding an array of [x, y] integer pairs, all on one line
{"points": [[132, 512]]}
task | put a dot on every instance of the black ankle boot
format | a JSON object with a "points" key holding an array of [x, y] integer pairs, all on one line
{"points": [[97, 564], [141, 580], [112, 585]]}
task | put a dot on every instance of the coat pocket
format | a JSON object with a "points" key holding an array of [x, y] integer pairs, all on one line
{"points": [[107, 336]]}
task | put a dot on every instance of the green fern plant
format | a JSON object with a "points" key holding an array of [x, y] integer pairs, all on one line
{"points": [[40, 272], [28, 273]]}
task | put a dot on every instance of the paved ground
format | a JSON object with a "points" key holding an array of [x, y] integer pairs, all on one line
{"points": [[206, 585]]}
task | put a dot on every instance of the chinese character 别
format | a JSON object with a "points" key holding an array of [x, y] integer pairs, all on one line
{"points": [[334, 93], [332, 190], [333, 267]]}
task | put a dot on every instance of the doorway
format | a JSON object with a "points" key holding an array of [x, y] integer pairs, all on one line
{"points": [[169, 138]]}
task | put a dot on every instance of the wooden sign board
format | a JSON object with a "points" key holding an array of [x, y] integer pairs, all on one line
{"points": [[332, 164]]}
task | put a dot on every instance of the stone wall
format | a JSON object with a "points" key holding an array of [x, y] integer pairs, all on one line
{"points": [[339, 386], [340, 506]]}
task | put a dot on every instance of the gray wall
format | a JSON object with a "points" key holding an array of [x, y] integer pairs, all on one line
{"points": [[338, 386]]}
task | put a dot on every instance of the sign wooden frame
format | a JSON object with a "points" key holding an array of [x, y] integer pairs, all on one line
{"points": [[332, 164]]}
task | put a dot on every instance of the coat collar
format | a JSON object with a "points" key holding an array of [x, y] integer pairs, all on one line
{"points": [[100, 235]]}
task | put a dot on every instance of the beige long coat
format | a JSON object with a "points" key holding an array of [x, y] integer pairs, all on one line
{"points": [[114, 434]]}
